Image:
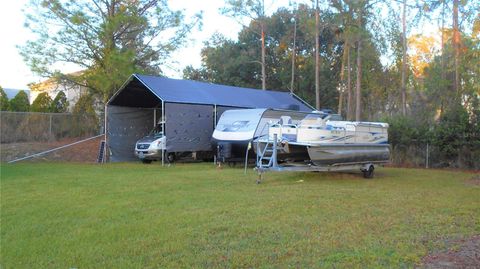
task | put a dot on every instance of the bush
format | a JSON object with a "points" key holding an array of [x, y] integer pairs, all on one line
{"points": [[3, 100], [457, 138], [42, 103], [406, 136], [84, 105], [407, 131], [20, 102], [85, 112], [59, 103], [454, 139]]}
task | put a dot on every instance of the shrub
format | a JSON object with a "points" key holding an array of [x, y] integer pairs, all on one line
{"points": [[20, 102], [85, 113], [42, 103], [59, 103], [3, 100]]}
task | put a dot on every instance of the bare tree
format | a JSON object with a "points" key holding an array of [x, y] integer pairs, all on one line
{"points": [[294, 51], [317, 56], [358, 87], [254, 10], [404, 59], [349, 88], [456, 45], [346, 51]]}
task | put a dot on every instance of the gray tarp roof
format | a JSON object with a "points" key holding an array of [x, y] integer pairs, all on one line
{"points": [[194, 92]]}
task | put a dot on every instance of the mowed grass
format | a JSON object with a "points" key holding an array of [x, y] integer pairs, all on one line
{"points": [[198, 216]]}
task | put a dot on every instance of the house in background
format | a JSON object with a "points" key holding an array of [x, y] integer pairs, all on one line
{"points": [[53, 86]]}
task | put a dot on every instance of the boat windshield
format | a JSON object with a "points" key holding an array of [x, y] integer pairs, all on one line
{"points": [[157, 132], [313, 119]]}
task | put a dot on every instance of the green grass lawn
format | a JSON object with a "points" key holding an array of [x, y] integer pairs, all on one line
{"points": [[197, 216]]}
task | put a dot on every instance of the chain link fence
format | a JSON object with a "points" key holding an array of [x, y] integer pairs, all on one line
{"points": [[430, 156], [27, 133]]}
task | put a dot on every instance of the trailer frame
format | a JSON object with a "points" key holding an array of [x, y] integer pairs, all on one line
{"points": [[367, 167]]}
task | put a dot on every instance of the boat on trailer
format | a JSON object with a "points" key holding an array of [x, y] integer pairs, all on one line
{"points": [[299, 141], [325, 145]]}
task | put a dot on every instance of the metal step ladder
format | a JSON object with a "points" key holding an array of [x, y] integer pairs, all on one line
{"points": [[268, 156], [101, 152]]}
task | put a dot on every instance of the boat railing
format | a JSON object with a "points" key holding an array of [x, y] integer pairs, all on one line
{"points": [[354, 132], [262, 133]]}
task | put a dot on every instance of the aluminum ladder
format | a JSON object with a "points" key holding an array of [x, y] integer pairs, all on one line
{"points": [[101, 151], [267, 157]]}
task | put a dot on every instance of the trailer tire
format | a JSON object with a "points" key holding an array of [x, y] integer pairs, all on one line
{"points": [[145, 161], [369, 172]]}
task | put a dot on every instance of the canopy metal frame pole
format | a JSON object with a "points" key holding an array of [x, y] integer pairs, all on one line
{"points": [[154, 117], [163, 120], [246, 156], [105, 135], [214, 126]]}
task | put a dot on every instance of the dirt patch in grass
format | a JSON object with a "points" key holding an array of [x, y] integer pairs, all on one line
{"points": [[464, 253], [83, 152], [474, 181]]}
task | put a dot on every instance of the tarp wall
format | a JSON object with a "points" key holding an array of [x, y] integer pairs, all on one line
{"points": [[125, 125], [188, 127]]}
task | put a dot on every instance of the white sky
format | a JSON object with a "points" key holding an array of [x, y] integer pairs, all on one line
{"points": [[15, 74]]}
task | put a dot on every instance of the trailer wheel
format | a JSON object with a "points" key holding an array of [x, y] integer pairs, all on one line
{"points": [[368, 173], [146, 161]]}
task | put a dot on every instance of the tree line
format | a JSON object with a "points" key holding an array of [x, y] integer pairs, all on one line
{"points": [[44, 103], [352, 40], [360, 58], [428, 89]]}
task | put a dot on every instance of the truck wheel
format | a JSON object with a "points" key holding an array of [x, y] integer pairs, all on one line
{"points": [[369, 173], [146, 161]]}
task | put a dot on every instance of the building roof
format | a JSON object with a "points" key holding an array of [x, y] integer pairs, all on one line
{"points": [[53, 82], [133, 93]]}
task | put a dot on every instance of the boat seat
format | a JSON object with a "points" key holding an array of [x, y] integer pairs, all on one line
{"points": [[284, 120]]}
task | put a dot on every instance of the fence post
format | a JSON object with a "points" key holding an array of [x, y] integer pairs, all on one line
{"points": [[50, 127]]}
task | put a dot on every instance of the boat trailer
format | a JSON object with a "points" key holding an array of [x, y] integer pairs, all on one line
{"points": [[266, 161]]}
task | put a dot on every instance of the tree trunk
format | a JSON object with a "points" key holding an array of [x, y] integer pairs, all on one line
{"points": [[456, 45], [358, 94], [349, 88], [442, 48], [263, 57], [443, 74], [317, 58], [293, 55], [404, 60], [342, 78]]}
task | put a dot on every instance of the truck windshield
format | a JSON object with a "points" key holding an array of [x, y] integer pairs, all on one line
{"points": [[157, 131]]}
